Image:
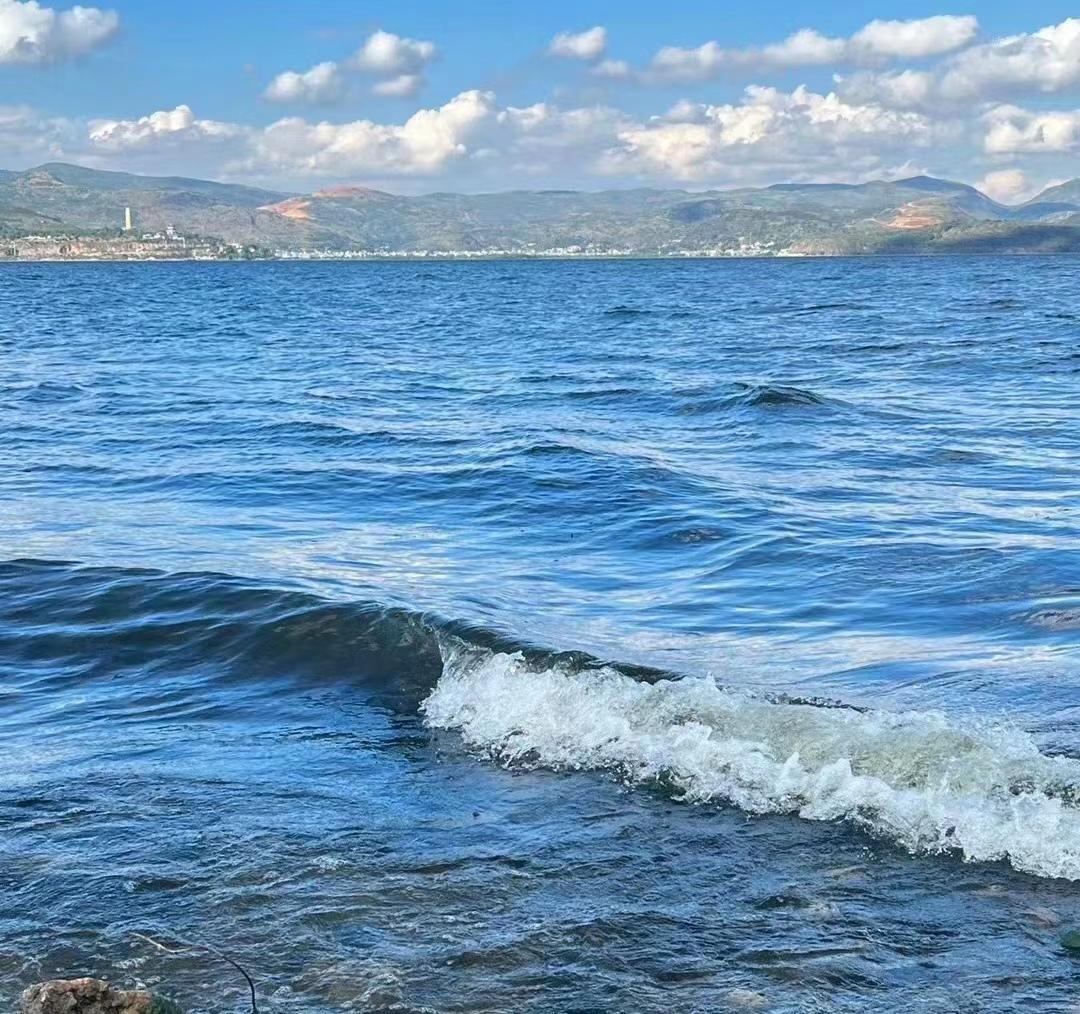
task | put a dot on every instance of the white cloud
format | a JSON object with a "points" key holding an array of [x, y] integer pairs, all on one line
{"points": [[31, 33], [1041, 62], [767, 136], [790, 134], [424, 144], [27, 136], [805, 47], [402, 86], [588, 45], [541, 141], [915, 39], [614, 69], [166, 127], [876, 41], [1009, 186], [386, 55], [905, 89], [684, 111], [395, 62], [1010, 129], [674, 64], [1044, 61], [324, 83], [876, 119]]}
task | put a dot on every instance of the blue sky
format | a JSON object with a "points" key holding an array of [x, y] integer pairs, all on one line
{"points": [[480, 95]]}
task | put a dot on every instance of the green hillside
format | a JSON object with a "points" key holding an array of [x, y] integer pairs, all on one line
{"points": [[916, 215]]}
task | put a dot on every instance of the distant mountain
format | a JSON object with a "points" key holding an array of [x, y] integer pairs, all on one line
{"points": [[16, 220], [1059, 204], [924, 190], [84, 200], [916, 215], [1063, 193]]}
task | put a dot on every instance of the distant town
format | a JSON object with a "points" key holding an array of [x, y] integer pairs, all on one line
{"points": [[60, 212], [169, 244], [158, 247], [127, 245]]}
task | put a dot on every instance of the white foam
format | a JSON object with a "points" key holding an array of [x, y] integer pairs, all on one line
{"points": [[928, 782]]}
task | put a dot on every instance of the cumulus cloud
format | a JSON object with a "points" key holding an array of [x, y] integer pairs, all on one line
{"points": [[790, 133], [31, 33], [1044, 61], [805, 47], [27, 136], [1041, 62], [876, 118], [166, 127], [324, 83], [386, 55], [917, 38], [396, 62], [1009, 186], [876, 41], [1010, 129], [959, 113], [905, 89], [615, 70], [425, 143], [767, 135], [589, 45], [539, 142], [399, 87]]}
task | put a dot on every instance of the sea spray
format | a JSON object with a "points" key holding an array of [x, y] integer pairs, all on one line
{"points": [[931, 783]]}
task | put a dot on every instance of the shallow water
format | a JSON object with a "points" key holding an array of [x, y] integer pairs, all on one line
{"points": [[544, 636]]}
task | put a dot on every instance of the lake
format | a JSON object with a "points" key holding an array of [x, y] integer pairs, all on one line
{"points": [[543, 636]]}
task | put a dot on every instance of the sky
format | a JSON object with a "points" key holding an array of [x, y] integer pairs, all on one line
{"points": [[479, 96]]}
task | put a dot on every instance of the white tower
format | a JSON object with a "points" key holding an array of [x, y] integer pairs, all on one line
{"points": [[127, 220]]}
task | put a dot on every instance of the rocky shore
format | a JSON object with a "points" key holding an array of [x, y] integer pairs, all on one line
{"points": [[91, 996]]}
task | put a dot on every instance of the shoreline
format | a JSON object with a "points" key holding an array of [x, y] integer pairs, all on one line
{"points": [[460, 259]]}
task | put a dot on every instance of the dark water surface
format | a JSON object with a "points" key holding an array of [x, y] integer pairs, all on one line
{"points": [[623, 636]]}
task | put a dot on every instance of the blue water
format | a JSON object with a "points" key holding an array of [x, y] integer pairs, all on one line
{"points": [[564, 636]]}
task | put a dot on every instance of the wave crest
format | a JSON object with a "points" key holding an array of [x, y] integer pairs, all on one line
{"points": [[925, 781]]}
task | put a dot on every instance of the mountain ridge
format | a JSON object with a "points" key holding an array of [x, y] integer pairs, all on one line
{"points": [[915, 214]]}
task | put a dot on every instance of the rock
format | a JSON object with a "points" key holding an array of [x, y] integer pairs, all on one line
{"points": [[90, 996], [747, 999]]}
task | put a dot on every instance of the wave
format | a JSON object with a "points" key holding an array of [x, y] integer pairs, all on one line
{"points": [[929, 783], [755, 396], [1057, 619], [777, 395], [628, 313], [44, 391]]}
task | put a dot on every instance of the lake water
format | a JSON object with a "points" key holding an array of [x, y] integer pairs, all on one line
{"points": [[563, 636]]}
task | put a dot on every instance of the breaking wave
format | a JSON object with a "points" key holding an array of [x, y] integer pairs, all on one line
{"points": [[927, 782]]}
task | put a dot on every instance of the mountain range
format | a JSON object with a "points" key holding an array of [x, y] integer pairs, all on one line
{"points": [[916, 215]]}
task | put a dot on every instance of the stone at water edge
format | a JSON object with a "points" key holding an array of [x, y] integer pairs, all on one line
{"points": [[746, 999], [1071, 941], [91, 996]]}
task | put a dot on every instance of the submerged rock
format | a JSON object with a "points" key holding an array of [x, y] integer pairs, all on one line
{"points": [[1071, 941], [91, 996], [747, 999]]}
